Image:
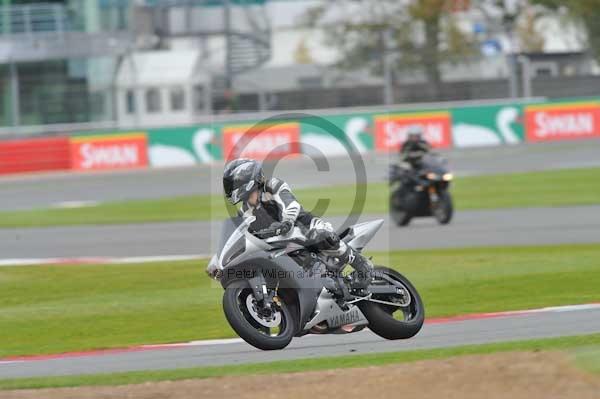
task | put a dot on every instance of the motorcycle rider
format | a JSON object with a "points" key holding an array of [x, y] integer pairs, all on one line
{"points": [[414, 148], [277, 211]]}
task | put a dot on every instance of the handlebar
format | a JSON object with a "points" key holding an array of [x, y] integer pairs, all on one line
{"points": [[265, 233], [275, 229]]}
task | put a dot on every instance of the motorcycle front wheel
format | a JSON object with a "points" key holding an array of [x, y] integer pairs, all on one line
{"points": [[400, 321], [266, 330], [444, 210], [400, 215]]}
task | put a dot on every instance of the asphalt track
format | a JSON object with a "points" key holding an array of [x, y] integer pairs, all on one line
{"points": [[553, 323], [45, 190], [521, 226], [533, 226]]}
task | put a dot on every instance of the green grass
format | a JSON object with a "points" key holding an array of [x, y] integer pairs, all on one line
{"points": [[52, 309], [324, 363], [548, 188]]}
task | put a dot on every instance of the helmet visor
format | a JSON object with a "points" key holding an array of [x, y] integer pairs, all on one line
{"points": [[240, 192]]}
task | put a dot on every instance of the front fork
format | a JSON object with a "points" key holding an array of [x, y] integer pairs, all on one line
{"points": [[433, 196], [265, 297]]}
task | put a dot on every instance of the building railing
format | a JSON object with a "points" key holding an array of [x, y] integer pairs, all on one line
{"points": [[109, 16], [43, 31], [34, 18]]}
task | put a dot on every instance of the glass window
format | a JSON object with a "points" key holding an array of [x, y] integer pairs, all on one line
{"points": [[177, 99], [130, 101], [153, 102], [311, 81], [198, 98], [97, 104]]}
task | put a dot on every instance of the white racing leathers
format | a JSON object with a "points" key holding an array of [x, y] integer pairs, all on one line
{"points": [[278, 204]]}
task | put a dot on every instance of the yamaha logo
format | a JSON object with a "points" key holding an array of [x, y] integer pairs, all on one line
{"points": [[352, 316]]}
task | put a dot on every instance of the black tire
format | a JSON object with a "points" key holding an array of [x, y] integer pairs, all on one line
{"points": [[399, 215], [247, 328], [381, 319], [446, 205]]}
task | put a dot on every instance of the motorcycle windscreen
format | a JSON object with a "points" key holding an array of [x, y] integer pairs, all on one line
{"points": [[227, 229], [435, 165]]}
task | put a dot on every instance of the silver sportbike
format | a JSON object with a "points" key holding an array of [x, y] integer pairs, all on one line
{"points": [[275, 288]]}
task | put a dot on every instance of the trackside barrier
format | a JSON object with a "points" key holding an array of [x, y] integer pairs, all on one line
{"points": [[44, 154], [487, 124], [501, 123], [102, 152]]}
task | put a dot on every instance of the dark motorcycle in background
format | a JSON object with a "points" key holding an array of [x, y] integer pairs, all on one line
{"points": [[421, 193]]}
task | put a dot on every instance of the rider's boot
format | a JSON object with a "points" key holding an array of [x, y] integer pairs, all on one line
{"points": [[332, 286], [364, 271], [330, 283]]}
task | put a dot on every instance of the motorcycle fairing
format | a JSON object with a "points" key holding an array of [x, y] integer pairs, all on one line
{"points": [[243, 256], [358, 236]]}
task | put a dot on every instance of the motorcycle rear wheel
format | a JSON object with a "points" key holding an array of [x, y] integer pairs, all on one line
{"points": [[384, 320]]}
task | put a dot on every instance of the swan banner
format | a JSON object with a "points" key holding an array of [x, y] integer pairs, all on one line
{"points": [[184, 146], [391, 129], [562, 121], [261, 140], [487, 125], [109, 151], [337, 135]]}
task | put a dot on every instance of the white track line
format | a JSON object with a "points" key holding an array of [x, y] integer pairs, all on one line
{"points": [[74, 204], [207, 342], [99, 260]]}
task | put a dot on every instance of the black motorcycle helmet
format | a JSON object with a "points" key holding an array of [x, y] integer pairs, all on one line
{"points": [[240, 178], [415, 133]]}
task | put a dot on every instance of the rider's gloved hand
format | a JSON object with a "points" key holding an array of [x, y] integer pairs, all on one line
{"points": [[275, 229], [280, 228]]}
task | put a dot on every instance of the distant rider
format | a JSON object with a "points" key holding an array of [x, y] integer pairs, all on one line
{"points": [[414, 148], [277, 211]]}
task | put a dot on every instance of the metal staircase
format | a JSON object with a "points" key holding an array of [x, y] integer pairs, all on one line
{"points": [[243, 24], [248, 52]]}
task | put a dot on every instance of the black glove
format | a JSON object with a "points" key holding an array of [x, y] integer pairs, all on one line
{"points": [[280, 228], [275, 229], [323, 239]]}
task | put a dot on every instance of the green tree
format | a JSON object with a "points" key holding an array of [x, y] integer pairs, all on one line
{"points": [[421, 34], [587, 12], [530, 38]]}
